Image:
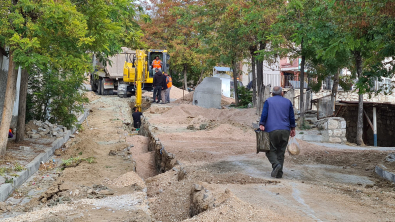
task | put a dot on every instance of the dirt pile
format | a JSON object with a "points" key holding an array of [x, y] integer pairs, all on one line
{"points": [[175, 93], [185, 113], [128, 179], [188, 98]]}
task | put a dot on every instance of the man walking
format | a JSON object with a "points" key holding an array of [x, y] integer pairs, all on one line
{"points": [[169, 83], [278, 120], [158, 85]]}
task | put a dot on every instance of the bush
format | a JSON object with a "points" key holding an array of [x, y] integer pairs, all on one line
{"points": [[245, 96], [55, 96]]}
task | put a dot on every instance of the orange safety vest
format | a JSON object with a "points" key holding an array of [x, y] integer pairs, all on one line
{"points": [[156, 64], [169, 82], [10, 130]]}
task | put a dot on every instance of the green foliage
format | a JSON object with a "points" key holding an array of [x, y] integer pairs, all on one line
{"points": [[4, 170], [52, 40], [9, 180], [55, 96], [90, 160], [305, 126], [18, 167], [245, 96], [74, 161]]}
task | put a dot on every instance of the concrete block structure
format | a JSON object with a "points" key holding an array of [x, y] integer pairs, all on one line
{"points": [[208, 93], [332, 129]]}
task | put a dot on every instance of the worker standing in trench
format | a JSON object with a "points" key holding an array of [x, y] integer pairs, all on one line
{"points": [[278, 120]]}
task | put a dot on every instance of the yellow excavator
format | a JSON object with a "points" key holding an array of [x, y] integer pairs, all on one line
{"points": [[138, 73]]}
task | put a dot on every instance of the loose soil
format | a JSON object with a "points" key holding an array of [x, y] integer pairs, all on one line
{"points": [[223, 177], [106, 188]]}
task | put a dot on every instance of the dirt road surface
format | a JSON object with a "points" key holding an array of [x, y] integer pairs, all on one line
{"points": [[106, 173]]}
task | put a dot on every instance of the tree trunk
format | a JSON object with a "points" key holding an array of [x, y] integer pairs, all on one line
{"points": [[259, 86], [358, 65], [20, 132], [259, 78], [201, 76], [8, 104], [301, 80], [252, 52], [235, 85], [335, 88], [253, 81], [185, 78]]}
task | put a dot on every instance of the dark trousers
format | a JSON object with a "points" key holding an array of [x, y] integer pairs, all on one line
{"points": [[157, 92], [278, 145], [137, 125]]}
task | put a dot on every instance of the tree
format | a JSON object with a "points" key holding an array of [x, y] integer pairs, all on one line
{"points": [[45, 35], [259, 16], [168, 29], [221, 30], [291, 36], [362, 34]]}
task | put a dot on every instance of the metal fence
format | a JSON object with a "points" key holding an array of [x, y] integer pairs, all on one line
{"points": [[272, 79]]}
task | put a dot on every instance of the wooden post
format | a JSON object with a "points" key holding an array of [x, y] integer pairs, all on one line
{"points": [[374, 126]]}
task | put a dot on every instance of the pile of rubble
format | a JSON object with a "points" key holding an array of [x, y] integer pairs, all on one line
{"points": [[36, 129]]}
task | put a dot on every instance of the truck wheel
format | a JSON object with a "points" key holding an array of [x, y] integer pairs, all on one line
{"points": [[101, 87], [93, 85]]}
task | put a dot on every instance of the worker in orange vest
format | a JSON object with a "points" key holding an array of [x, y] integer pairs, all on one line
{"points": [[169, 83], [157, 63], [10, 135]]}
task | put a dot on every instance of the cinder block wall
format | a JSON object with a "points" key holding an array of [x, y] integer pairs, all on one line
{"points": [[385, 124]]}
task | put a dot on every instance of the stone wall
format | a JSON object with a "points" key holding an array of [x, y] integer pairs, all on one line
{"points": [[333, 129], [353, 96], [385, 124]]}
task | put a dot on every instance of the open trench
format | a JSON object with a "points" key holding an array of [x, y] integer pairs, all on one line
{"points": [[137, 178]]}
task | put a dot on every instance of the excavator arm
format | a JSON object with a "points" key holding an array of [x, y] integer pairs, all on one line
{"points": [[139, 77]]}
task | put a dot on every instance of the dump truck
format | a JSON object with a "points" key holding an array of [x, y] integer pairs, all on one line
{"points": [[111, 76]]}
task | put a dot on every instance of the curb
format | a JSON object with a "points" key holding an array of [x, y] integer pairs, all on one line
{"points": [[381, 171], [32, 167]]}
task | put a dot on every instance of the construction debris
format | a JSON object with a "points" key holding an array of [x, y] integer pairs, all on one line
{"points": [[36, 129]]}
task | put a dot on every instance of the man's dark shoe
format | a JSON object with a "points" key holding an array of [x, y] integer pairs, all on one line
{"points": [[275, 170], [279, 176]]}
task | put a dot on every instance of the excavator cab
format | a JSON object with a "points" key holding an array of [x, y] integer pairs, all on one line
{"points": [[163, 56]]}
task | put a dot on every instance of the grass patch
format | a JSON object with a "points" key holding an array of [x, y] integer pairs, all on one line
{"points": [[4, 170], [18, 167], [90, 159], [305, 126], [9, 180], [75, 161]]}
